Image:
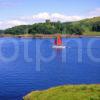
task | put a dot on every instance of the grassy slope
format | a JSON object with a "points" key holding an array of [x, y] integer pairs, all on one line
{"points": [[92, 33], [90, 21], [80, 92]]}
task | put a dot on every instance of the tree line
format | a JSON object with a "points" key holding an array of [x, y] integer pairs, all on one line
{"points": [[48, 27]]}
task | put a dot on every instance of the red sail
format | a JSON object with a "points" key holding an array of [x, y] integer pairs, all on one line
{"points": [[58, 41]]}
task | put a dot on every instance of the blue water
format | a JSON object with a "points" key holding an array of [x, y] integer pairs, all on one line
{"points": [[73, 65]]}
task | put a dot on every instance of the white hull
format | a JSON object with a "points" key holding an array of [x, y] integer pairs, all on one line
{"points": [[58, 47]]}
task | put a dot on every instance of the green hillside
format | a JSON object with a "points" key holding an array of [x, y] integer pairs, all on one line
{"points": [[90, 26], [91, 20], [71, 92]]}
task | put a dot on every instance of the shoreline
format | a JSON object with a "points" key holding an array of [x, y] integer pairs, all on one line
{"points": [[46, 36]]}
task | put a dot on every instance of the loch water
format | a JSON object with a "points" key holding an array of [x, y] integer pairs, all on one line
{"points": [[32, 64]]}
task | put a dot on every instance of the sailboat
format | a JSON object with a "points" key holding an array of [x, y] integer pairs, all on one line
{"points": [[58, 42]]}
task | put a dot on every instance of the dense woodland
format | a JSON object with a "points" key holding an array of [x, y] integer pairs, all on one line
{"points": [[78, 27]]}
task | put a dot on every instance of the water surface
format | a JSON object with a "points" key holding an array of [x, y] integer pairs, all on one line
{"points": [[77, 64]]}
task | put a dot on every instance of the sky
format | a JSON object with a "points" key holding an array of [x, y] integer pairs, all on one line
{"points": [[23, 12]]}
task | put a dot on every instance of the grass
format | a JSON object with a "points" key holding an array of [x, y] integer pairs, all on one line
{"points": [[67, 92], [92, 33]]}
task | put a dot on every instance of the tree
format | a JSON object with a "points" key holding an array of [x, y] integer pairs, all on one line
{"points": [[1, 31], [96, 26]]}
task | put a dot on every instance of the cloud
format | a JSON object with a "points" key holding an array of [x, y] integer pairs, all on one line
{"points": [[55, 17], [95, 12], [40, 17], [11, 23]]}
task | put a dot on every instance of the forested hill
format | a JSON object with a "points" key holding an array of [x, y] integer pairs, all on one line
{"points": [[87, 26]]}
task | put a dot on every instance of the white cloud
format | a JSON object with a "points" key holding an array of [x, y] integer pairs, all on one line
{"points": [[40, 17], [63, 18], [95, 12], [10, 23], [55, 17]]}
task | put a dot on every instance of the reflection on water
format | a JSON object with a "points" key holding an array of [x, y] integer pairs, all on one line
{"points": [[62, 54], [59, 54]]}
